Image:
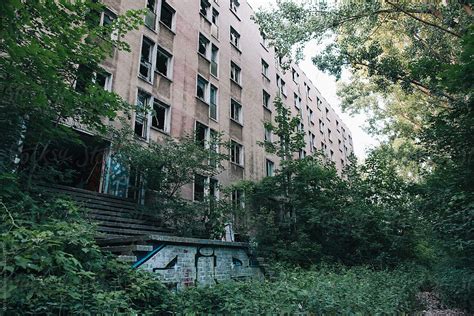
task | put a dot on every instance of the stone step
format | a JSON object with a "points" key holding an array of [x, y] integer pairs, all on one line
{"points": [[116, 218], [87, 194], [128, 232], [128, 249], [129, 259], [144, 228]]}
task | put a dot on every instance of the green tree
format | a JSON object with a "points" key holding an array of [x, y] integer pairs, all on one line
{"points": [[49, 52], [411, 72]]}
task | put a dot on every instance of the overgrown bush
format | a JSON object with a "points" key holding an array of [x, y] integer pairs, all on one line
{"points": [[51, 264], [321, 290]]}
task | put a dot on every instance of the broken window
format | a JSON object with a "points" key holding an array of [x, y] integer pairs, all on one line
{"points": [[160, 118], [146, 59], [167, 14], [163, 62]]}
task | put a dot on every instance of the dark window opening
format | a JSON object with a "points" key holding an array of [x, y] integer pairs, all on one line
{"points": [[199, 187], [167, 14]]}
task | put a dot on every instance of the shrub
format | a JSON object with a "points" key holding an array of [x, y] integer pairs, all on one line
{"points": [[322, 290]]}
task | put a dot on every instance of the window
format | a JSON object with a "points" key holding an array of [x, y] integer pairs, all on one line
{"points": [[236, 111], [213, 188], [237, 199], [106, 19], [294, 75], [205, 8], [234, 5], [236, 153], [308, 91], [215, 17], [146, 59], [213, 103], [202, 87], [266, 99], [329, 135], [167, 15], [141, 114], [264, 68], [160, 119], [342, 163], [104, 80], [269, 168], [297, 101], [331, 154], [202, 134], [310, 116], [281, 85], [235, 72], [264, 39], [300, 127], [312, 141], [150, 17], [301, 154], [199, 187], [205, 186], [321, 126], [234, 37], [204, 44], [163, 62], [214, 60], [213, 147], [268, 135], [327, 114], [318, 103]]}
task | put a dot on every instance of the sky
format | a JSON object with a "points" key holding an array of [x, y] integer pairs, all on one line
{"points": [[327, 86]]}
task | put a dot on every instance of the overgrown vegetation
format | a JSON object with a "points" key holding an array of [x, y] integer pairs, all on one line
{"points": [[411, 73], [365, 242], [319, 290]]}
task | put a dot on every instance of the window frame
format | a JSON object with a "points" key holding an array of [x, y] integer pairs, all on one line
{"points": [[214, 104], [169, 65], [265, 69], [237, 155], [167, 6], [235, 38], [207, 47], [239, 118], [146, 118], [270, 172], [206, 89], [214, 61], [167, 120], [150, 64], [234, 6], [235, 73]]}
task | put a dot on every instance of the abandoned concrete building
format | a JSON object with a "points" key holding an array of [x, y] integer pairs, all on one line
{"points": [[204, 67]]}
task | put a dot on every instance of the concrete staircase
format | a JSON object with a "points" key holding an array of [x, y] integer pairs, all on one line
{"points": [[128, 232], [114, 216]]}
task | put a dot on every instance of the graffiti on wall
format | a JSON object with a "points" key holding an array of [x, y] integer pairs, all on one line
{"points": [[182, 266]]}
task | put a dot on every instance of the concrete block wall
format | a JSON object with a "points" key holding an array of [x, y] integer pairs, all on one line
{"points": [[181, 266]]}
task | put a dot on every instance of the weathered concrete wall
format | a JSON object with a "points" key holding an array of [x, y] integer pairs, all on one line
{"points": [[181, 266]]}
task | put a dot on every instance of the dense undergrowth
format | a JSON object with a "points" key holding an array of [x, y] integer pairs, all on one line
{"points": [[322, 289]]}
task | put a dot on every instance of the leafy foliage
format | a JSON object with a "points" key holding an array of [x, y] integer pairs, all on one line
{"points": [[165, 168], [51, 264], [320, 290], [411, 72], [49, 53]]}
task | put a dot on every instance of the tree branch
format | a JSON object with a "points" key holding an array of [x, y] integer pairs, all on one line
{"points": [[424, 21]]}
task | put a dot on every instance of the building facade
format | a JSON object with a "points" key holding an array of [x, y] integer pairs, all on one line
{"points": [[204, 67]]}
